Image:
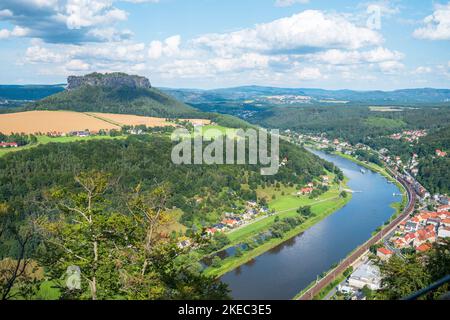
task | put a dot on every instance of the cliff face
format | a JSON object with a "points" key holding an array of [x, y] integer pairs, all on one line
{"points": [[108, 80]]}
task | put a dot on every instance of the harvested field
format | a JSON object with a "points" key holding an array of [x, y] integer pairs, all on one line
{"points": [[50, 121], [133, 120], [35, 122]]}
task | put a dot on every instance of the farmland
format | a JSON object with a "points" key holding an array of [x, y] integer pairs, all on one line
{"points": [[33, 122], [47, 121]]}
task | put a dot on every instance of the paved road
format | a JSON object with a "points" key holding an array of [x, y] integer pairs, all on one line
{"points": [[314, 290]]}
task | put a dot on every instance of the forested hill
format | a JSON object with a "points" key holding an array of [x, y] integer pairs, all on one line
{"points": [[115, 93], [28, 175], [434, 171]]}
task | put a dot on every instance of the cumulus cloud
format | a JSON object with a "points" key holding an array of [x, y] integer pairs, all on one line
{"points": [[437, 25], [422, 70], [342, 57], [15, 32], [307, 46], [65, 21], [169, 48], [304, 32]]}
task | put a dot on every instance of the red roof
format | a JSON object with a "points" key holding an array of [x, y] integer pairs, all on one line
{"points": [[8, 144], [423, 247], [385, 251]]}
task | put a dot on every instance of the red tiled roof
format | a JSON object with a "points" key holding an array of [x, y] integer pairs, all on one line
{"points": [[423, 247], [385, 251]]}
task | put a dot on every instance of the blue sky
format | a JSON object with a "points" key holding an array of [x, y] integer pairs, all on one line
{"points": [[334, 44]]}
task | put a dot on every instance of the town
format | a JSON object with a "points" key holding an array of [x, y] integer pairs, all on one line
{"points": [[428, 223]]}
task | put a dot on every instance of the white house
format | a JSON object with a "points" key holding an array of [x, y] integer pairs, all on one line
{"points": [[366, 275]]}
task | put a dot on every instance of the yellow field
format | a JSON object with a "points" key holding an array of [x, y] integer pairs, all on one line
{"points": [[34, 122], [50, 121]]}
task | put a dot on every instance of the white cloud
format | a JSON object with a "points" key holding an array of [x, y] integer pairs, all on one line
{"points": [[66, 21], [391, 67], [15, 32], [302, 32], [342, 57], [288, 3], [169, 48], [437, 25], [422, 70], [38, 54], [77, 65], [87, 13]]}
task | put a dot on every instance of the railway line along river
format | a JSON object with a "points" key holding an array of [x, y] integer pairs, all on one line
{"points": [[287, 269]]}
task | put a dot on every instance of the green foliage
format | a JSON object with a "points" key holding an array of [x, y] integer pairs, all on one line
{"points": [[305, 211], [120, 256], [402, 278], [143, 160]]}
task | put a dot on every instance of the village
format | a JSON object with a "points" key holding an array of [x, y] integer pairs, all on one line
{"points": [[430, 222]]}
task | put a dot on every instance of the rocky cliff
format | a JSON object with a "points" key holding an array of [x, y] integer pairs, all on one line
{"points": [[112, 80]]}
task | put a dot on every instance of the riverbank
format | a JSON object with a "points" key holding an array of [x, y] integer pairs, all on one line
{"points": [[338, 273], [320, 209], [398, 206]]}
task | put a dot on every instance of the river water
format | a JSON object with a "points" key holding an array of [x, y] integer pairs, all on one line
{"points": [[284, 271]]}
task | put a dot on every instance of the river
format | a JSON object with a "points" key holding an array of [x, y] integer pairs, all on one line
{"points": [[284, 271]]}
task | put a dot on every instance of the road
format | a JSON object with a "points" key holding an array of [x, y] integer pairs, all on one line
{"points": [[322, 283]]}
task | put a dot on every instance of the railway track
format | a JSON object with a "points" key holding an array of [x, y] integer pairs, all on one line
{"points": [[347, 262]]}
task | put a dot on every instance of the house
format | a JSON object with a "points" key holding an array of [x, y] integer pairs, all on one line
{"points": [[220, 227], [305, 191], [441, 153], [399, 243], [384, 254], [81, 134], [423, 247], [184, 244], [211, 231], [445, 222], [444, 232], [8, 145], [366, 275], [434, 221], [443, 208], [251, 203], [411, 226], [231, 223]]}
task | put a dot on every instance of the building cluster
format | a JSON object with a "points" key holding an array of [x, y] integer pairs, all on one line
{"points": [[422, 230], [233, 220], [409, 135], [286, 99], [8, 145]]}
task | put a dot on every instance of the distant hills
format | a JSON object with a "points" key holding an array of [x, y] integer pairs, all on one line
{"points": [[140, 88], [313, 96]]}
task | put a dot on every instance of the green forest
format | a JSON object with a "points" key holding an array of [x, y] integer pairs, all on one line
{"points": [[126, 187]]}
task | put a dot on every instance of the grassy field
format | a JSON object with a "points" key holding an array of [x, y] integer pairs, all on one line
{"points": [[320, 210], [285, 206], [45, 140]]}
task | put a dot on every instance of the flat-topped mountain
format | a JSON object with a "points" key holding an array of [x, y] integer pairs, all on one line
{"points": [[112, 80], [115, 93]]}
